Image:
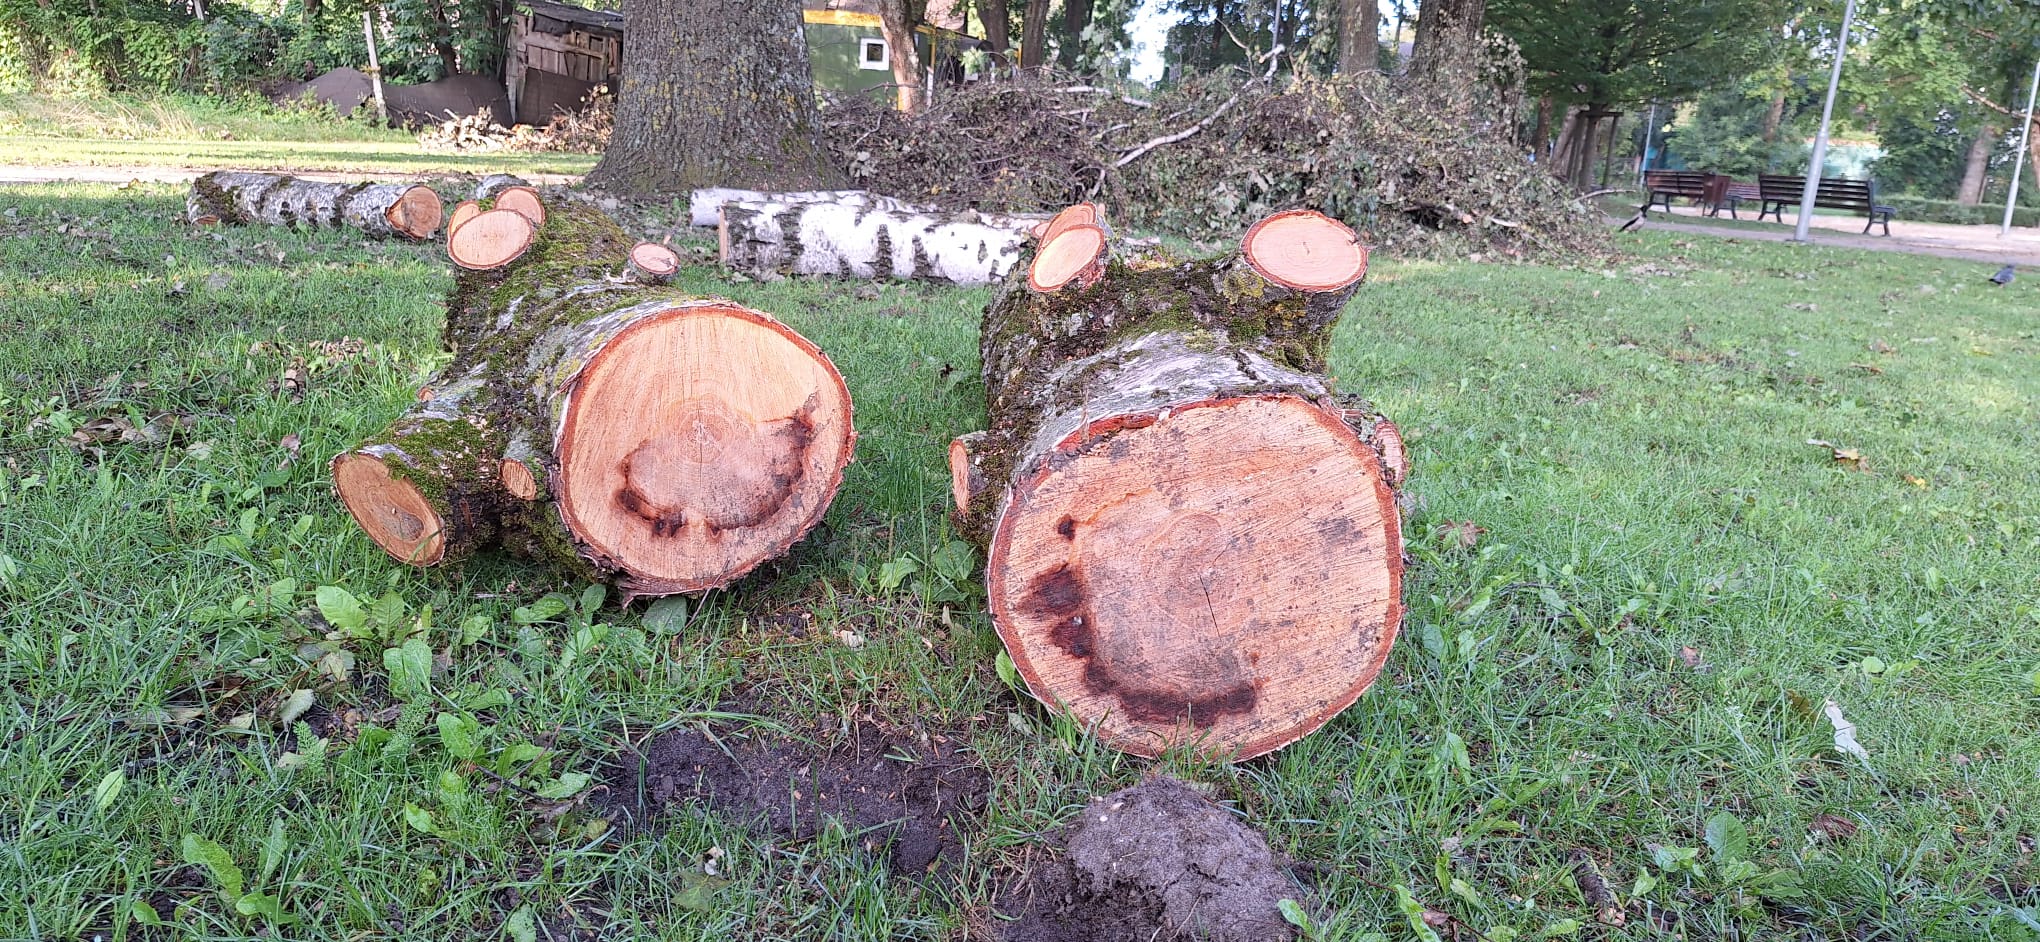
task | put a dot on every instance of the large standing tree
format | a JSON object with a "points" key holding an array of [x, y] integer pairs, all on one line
{"points": [[1359, 36], [714, 93]]}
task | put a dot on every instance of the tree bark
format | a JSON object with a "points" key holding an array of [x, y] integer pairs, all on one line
{"points": [[1191, 540], [714, 93], [1540, 137], [844, 241], [704, 206], [1774, 116], [898, 26], [1076, 17], [1977, 163], [389, 210], [1359, 36], [1445, 29], [631, 434], [998, 23], [1033, 33]]}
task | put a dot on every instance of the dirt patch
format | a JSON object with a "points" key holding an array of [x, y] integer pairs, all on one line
{"points": [[908, 799], [1156, 862]]}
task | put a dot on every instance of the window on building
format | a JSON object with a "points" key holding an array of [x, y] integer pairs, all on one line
{"points": [[871, 54]]}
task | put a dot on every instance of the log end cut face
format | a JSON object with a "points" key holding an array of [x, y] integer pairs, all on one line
{"points": [[1226, 578], [391, 510], [1305, 250], [700, 442], [417, 213]]}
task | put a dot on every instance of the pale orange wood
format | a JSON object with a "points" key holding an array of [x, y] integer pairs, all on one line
{"points": [[1388, 440], [1077, 254], [462, 212], [417, 213], [655, 259], [1305, 250], [491, 239], [524, 200], [1080, 214], [960, 474], [390, 510], [1226, 576], [517, 479], [699, 443]]}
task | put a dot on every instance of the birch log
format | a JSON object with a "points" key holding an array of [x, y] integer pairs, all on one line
{"points": [[1192, 540], [632, 433], [847, 241], [704, 206], [399, 210]]}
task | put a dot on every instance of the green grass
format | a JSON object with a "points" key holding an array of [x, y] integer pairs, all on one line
{"points": [[249, 133], [1667, 586]]}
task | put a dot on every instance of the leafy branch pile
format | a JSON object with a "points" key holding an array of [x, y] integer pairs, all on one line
{"points": [[585, 131], [1424, 167]]}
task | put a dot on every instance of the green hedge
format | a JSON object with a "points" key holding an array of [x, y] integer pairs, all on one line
{"points": [[1915, 209]]}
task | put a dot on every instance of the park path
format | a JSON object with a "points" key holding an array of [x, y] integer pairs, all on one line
{"points": [[1966, 243], [161, 174]]}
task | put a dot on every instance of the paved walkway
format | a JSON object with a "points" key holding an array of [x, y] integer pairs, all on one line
{"points": [[160, 174], [1968, 243]]}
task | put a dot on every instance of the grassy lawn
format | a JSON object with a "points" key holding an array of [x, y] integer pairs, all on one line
{"points": [[250, 134], [1635, 589]]}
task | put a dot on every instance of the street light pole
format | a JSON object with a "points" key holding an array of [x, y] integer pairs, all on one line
{"points": [[2019, 164], [1820, 141]]}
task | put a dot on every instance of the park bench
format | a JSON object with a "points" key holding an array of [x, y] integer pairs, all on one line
{"points": [[1661, 185], [1778, 192], [1732, 195]]}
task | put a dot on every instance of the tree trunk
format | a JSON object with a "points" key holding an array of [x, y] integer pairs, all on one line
{"points": [[714, 93], [845, 241], [704, 206], [1541, 136], [400, 210], [1774, 117], [630, 433], [1445, 31], [998, 25], [898, 26], [1033, 31], [1974, 167], [1076, 17], [1359, 36], [1191, 541]]}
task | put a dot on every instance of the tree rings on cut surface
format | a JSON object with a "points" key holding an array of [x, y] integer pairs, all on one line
{"points": [[698, 443], [1076, 253], [524, 201], [491, 239], [464, 211], [417, 213], [1305, 250], [1224, 576], [653, 261], [390, 509]]}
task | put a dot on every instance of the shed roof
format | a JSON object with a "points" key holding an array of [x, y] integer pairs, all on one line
{"points": [[579, 16]]}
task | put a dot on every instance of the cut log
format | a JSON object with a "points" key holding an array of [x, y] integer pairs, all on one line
{"points": [[1074, 254], [398, 210], [524, 201], [1191, 540], [491, 239], [466, 210], [704, 206], [651, 263], [488, 187], [848, 241], [637, 435]]}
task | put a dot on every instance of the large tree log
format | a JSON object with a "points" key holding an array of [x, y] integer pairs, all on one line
{"points": [[641, 436], [402, 210], [704, 206], [1191, 540], [847, 240]]}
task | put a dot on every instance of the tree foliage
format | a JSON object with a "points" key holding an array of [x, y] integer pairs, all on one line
{"points": [[1606, 52]]}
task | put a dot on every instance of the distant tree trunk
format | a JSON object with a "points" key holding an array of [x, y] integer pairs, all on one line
{"points": [[1439, 24], [1359, 36], [1076, 16], [998, 25], [1541, 136], [1033, 30], [442, 39], [1774, 117], [1971, 191], [678, 124], [898, 25]]}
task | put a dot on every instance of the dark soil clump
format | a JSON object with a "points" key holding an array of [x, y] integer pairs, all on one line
{"points": [[1156, 862], [908, 798]]}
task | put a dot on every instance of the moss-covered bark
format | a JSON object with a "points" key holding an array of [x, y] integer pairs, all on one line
{"points": [[398, 210]]}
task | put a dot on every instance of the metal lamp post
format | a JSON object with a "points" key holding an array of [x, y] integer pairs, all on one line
{"points": [[2019, 164], [1820, 141]]}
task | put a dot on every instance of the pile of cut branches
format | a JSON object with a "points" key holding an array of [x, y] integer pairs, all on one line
{"points": [[585, 131], [1419, 168]]}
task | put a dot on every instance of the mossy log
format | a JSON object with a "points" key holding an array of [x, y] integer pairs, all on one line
{"points": [[630, 432], [844, 240], [388, 210], [1191, 540]]}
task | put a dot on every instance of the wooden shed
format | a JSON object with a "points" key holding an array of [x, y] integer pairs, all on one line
{"points": [[558, 54]]}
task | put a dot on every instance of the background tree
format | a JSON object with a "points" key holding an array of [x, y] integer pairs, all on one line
{"points": [[714, 93], [1359, 36], [897, 19], [1445, 29]]}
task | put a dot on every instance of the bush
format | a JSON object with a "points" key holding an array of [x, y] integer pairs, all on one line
{"points": [[1915, 209]]}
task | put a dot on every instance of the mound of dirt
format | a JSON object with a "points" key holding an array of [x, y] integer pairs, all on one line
{"points": [[910, 798], [1156, 862]]}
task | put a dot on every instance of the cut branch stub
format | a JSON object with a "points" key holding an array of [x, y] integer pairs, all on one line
{"points": [[1191, 541], [1076, 253], [651, 263], [524, 200], [491, 239], [464, 211]]}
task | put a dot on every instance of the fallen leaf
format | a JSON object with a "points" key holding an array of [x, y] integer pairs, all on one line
{"points": [[1879, 346], [1870, 368], [1691, 656], [1849, 456], [1845, 733], [1463, 532], [1832, 826], [1916, 481], [850, 639]]}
